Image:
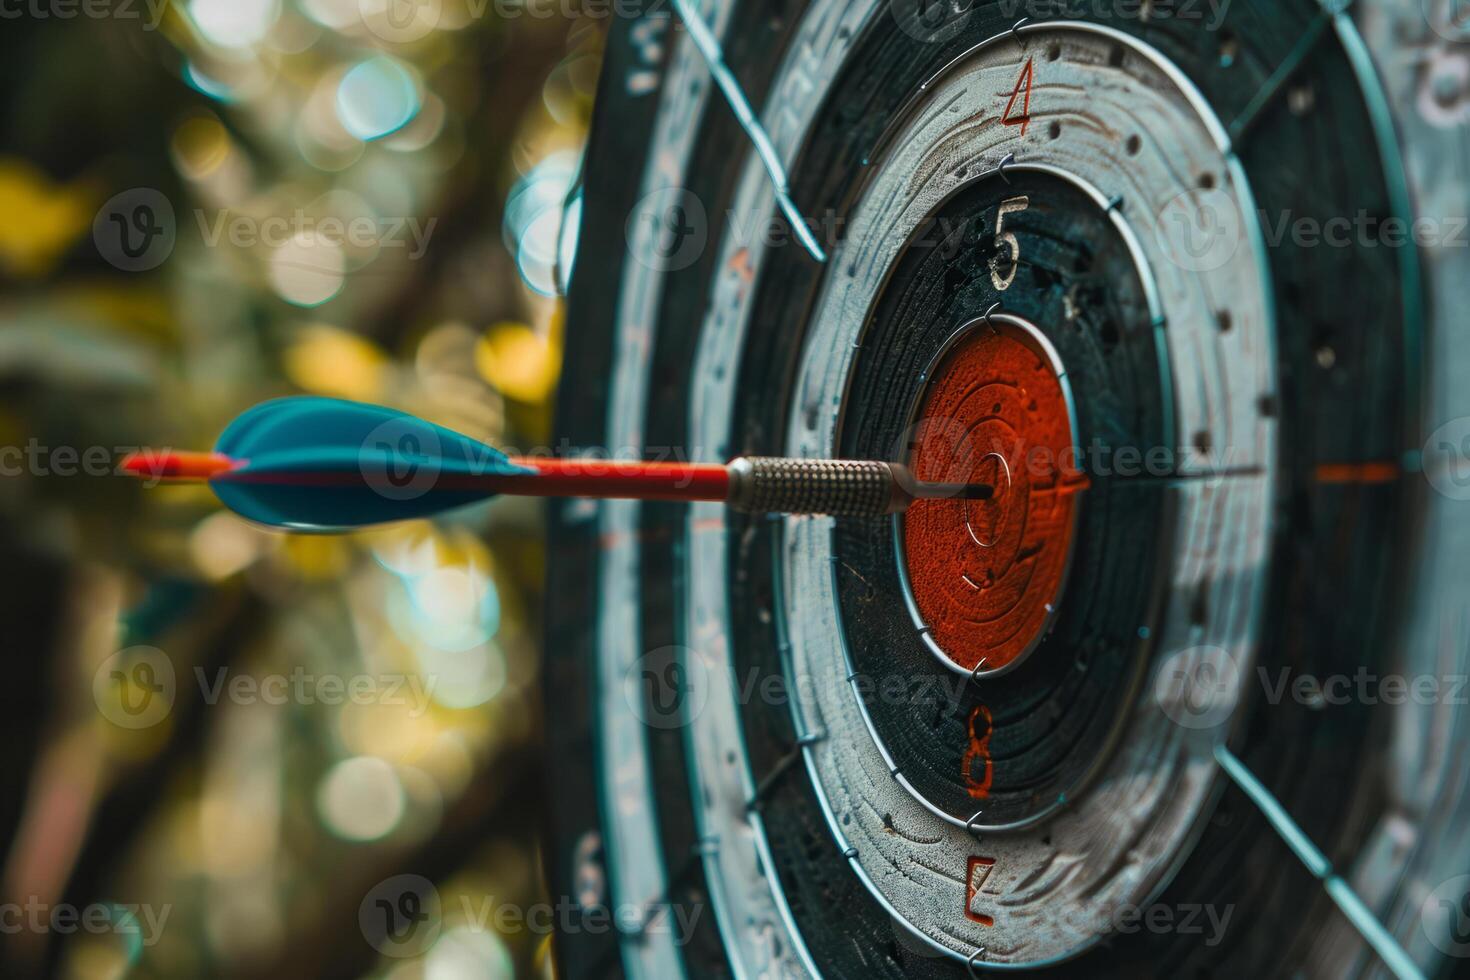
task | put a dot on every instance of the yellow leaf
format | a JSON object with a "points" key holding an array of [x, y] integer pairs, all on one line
{"points": [[39, 219]]}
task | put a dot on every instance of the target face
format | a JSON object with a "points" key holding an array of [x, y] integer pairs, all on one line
{"points": [[985, 576], [984, 734]]}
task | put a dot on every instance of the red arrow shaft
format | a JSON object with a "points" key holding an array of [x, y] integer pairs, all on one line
{"points": [[616, 478], [553, 477]]}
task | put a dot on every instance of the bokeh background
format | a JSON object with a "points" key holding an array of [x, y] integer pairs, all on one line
{"points": [[205, 204]]}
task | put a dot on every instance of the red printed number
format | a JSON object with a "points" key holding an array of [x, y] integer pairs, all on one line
{"points": [[1022, 91], [979, 871]]}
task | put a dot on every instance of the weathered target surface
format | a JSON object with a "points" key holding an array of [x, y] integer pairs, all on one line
{"points": [[986, 574], [1091, 99], [784, 727]]}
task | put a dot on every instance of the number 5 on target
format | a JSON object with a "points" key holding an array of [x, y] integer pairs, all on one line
{"points": [[1009, 240]]}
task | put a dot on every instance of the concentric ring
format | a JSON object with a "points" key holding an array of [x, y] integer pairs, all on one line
{"points": [[809, 838], [996, 409]]}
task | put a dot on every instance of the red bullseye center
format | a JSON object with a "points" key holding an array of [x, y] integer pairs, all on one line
{"points": [[986, 576]]}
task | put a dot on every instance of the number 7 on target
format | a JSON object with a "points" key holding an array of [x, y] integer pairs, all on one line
{"points": [[1022, 91], [976, 874]]}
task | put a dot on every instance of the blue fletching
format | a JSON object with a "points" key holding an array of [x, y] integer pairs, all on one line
{"points": [[323, 464]]}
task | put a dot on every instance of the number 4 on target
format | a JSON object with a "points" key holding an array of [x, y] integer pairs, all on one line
{"points": [[1021, 92]]}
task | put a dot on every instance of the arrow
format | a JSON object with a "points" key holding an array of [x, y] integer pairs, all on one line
{"points": [[322, 464]]}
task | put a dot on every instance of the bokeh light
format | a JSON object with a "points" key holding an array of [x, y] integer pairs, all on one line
{"points": [[469, 954], [361, 798], [308, 270], [234, 23], [367, 205], [377, 97]]}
